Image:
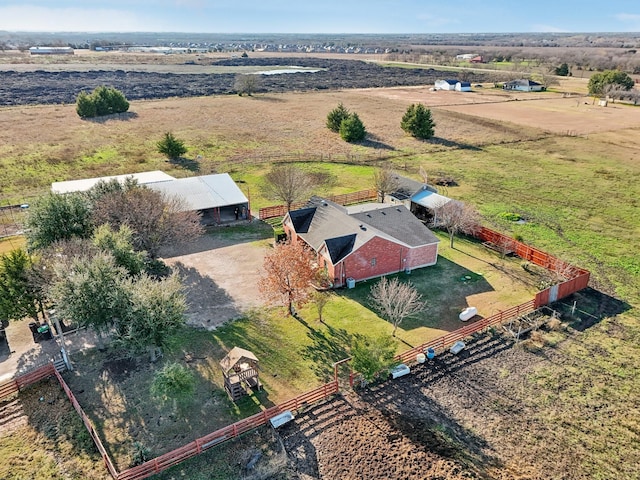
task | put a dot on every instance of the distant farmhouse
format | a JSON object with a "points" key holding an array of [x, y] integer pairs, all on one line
{"points": [[51, 51], [523, 85], [216, 197], [362, 241]]}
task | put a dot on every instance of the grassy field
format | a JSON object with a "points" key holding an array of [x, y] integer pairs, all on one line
{"points": [[578, 196]]}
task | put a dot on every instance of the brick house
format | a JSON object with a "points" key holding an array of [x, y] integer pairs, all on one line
{"points": [[362, 241]]}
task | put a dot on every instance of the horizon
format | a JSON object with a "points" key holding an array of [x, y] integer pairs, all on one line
{"points": [[378, 17]]}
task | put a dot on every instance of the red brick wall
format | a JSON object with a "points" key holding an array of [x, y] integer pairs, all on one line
{"points": [[388, 259], [388, 256], [422, 256]]}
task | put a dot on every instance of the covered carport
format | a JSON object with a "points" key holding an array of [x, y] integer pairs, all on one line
{"points": [[425, 203], [216, 197]]}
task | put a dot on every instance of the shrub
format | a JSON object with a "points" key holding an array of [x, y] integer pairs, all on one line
{"points": [[102, 101], [510, 216], [352, 129], [139, 454], [173, 381]]}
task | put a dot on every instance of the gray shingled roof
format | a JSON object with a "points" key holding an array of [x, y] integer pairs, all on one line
{"points": [[406, 187], [344, 230], [399, 223]]}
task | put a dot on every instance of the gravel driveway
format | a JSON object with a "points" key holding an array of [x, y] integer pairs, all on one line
{"points": [[221, 271]]}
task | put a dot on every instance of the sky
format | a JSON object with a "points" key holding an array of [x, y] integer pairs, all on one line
{"points": [[320, 16]]}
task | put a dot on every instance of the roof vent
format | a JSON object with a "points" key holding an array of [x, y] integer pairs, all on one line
{"points": [[398, 209], [325, 204], [369, 215], [383, 213], [362, 227]]}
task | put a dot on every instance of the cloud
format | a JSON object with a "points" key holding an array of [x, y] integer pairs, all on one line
{"points": [[628, 17], [42, 19], [547, 29]]}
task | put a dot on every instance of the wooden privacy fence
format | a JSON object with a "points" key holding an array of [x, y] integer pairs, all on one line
{"points": [[200, 445], [576, 278], [344, 199]]}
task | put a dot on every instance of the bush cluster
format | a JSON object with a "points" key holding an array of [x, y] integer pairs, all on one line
{"points": [[102, 101], [417, 122], [348, 125]]}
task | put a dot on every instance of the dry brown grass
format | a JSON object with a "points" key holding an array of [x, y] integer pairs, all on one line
{"points": [[51, 143]]}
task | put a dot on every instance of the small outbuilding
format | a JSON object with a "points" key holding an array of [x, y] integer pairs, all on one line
{"points": [[463, 87], [217, 197], [447, 84], [240, 372]]}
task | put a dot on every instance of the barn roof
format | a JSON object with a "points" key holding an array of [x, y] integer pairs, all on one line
{"points": [[523, 82], [235, 355], [204, 192], [82, 185]]}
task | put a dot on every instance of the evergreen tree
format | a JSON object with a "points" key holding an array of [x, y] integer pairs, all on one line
{"points": [[171, 146], [85, 106], [417, 121], [58, 217], [352, 129], [102, 101], [336, 116], [562, 70], [599, 82]]}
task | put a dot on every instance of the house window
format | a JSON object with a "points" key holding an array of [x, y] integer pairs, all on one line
{"points": [[373, 262]]}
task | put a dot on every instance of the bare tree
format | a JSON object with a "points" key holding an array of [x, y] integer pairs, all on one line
{"points": [[247, 84], [395, 301], [385, 181], [289, 274], [424, 175], [320, 299], [288, 184], [456, 217], [156, 219]]}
